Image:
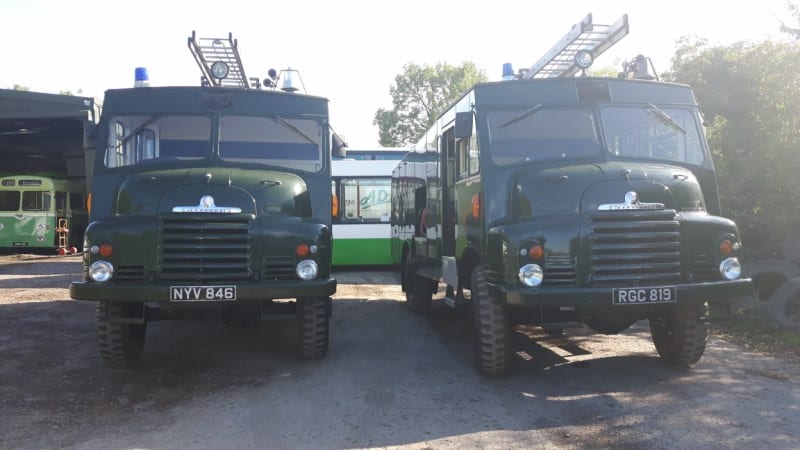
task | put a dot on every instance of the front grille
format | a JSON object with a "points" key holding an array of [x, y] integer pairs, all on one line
{"points": [[129, 273], [631, 248], [559, 270], [202, 249], [279, 268]]}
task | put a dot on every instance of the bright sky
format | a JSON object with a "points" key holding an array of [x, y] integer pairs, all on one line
{"points": [[348, 51]]}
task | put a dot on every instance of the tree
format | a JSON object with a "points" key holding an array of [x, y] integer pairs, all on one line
{"points": [[794, 9], [748, 93], [419, 95], [19, 87]]}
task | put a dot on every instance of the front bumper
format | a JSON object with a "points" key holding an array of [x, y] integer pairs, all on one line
{"points": [[601, 296], [245, 292]]}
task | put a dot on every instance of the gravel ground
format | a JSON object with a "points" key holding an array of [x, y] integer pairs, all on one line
{"points": [[391, 379]]}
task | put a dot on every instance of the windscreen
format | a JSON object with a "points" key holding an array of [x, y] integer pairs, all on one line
{"points": [[540, 133], [284, 142], [9, 200], [137, 139], [651, 132]]}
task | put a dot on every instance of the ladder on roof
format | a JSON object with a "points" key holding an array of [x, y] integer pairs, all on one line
{"points": [[207, 51], [559, 61]]}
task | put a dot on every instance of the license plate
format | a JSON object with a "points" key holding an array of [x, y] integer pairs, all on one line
{"points": [[202, 293], [641, 295]]}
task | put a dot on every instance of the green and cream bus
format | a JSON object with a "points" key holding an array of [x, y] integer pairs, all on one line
{"points": [[40, 212], [361, 188]]}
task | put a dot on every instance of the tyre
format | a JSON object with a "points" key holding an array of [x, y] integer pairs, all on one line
{"points": [[314, 318], [490, 328], [120, 344], [783, 306], [680, 334], [419, 290]]}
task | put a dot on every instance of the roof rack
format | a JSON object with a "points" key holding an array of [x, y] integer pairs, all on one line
{"points": [[559, 61], [207, 51]]}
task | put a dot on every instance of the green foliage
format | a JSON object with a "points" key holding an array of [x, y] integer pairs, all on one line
{"points": [[68, 92], [19, 87], [607, 71], [750, 96], [419, 95]]}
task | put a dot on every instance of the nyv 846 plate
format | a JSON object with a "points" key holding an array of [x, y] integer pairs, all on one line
{"points": [[202, 293], [640, 295]]}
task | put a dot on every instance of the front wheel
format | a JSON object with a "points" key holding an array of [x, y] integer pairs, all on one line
{"points": [[680, 334], [121, 330], [313, 315], [490, 328]]}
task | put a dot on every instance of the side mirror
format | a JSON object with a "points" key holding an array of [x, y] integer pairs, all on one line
{"points": [[338, 146], [463, 125]]}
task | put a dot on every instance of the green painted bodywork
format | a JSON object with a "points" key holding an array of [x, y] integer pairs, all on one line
{"points": [[361, 252], [557, 204], [20, 231], [255, 249]]}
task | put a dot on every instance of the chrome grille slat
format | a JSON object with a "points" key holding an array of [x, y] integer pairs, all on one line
{"points": [[630, 248], [205, 248]]}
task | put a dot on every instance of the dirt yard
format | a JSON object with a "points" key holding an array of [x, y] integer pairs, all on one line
{"points": [[391, 379]]}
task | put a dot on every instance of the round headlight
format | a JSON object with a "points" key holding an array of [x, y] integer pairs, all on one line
{"points": [[219, 70], [101, 271], [531, 275], [2, 226], [730, 268], [584, 59], [307, 269]]}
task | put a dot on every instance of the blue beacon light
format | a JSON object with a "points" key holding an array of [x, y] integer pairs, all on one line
{"points": [[508, 72], [142, 77]]}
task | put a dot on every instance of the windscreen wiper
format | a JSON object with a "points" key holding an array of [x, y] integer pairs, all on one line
{"points": [[294, 128], [522, 115], [663, 117]]}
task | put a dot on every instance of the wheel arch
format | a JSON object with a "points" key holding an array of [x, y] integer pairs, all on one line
{"points": [[469, 259]]}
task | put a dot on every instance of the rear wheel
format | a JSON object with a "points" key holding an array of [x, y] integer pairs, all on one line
{"points": [[314, 317], [784, 306], [419, 290], [680, 334], [490, 328], [120, 339]]}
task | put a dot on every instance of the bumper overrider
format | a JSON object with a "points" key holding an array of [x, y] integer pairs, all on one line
{"points": [[245, 292], [602, 296]]}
